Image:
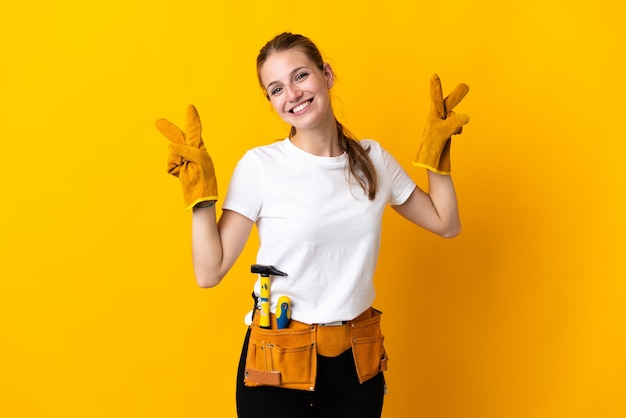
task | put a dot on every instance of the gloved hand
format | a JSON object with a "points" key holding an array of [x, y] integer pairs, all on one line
{"points": [[189, 160], [441, 124]]}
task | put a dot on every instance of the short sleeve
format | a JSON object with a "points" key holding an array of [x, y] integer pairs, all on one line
{"points": [[245, 194], [393, 179]]}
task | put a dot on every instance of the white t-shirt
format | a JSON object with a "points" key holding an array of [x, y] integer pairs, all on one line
{"points": [[316, 226]]}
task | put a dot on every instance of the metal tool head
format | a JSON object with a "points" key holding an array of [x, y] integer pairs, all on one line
{"points": [[265, 270]]}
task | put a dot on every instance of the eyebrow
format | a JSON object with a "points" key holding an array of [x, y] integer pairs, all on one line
{"points": [[290, 74]]}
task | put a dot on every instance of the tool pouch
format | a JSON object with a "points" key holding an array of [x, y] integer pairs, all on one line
{"points": [[281, 357], [369, 353], [288, 357]]}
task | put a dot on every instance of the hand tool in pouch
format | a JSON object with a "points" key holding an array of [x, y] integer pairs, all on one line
{"points": [[265, 272], [283, 312]]}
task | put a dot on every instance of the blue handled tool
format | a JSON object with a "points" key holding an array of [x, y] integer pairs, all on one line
{"points": [[283, 312], [265, 272]]}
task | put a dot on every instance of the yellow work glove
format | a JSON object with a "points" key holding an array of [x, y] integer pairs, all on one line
{"points": [[189, 160], [441, 124]]}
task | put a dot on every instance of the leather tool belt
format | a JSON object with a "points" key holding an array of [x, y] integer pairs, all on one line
{"points": [[288, 357]]}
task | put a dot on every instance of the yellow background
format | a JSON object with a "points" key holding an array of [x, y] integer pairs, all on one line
{"points": [[521, 316]]}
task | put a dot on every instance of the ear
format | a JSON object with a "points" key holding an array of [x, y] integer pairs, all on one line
{"points": [[329, 75]]}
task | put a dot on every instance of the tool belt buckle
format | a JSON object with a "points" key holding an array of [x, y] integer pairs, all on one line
{"points": [[333, 324]]}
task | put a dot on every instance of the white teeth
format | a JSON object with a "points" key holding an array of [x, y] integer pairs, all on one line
{"points": [[301, 107]]}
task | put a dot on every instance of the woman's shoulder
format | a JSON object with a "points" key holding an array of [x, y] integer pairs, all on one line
{"points": [[372, 146], [378, 153], [274, 146], [368, 141], [268, 150]]}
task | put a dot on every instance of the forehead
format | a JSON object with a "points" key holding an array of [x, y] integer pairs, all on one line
{"points": [[279, 65]]}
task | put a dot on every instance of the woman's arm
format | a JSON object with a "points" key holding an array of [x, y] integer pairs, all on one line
{"points": [[436, 211], [217, 245]]}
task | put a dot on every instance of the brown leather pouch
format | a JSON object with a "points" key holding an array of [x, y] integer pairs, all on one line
{"points": [[369, 353], [282, 357], [288, 357]]}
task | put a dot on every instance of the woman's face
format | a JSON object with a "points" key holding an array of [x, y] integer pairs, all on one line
{"points": [[298, 89]]}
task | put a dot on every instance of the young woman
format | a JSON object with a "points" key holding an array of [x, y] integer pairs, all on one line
{"points": [[317, 198]]}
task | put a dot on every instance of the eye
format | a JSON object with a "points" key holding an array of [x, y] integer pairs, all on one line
{"points": [[301, 76], [275, 91]]}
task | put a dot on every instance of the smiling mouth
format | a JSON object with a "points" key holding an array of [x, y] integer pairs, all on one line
{"points": [[301, 106]]}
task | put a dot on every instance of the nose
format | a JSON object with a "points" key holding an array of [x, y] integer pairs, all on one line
{"points": [[293, 93]]}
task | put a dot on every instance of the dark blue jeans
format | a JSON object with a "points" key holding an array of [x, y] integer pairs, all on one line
{"points": [[338, 393]]}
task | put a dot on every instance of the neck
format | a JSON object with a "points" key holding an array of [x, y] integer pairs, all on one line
{"points": [[322, 141]]}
